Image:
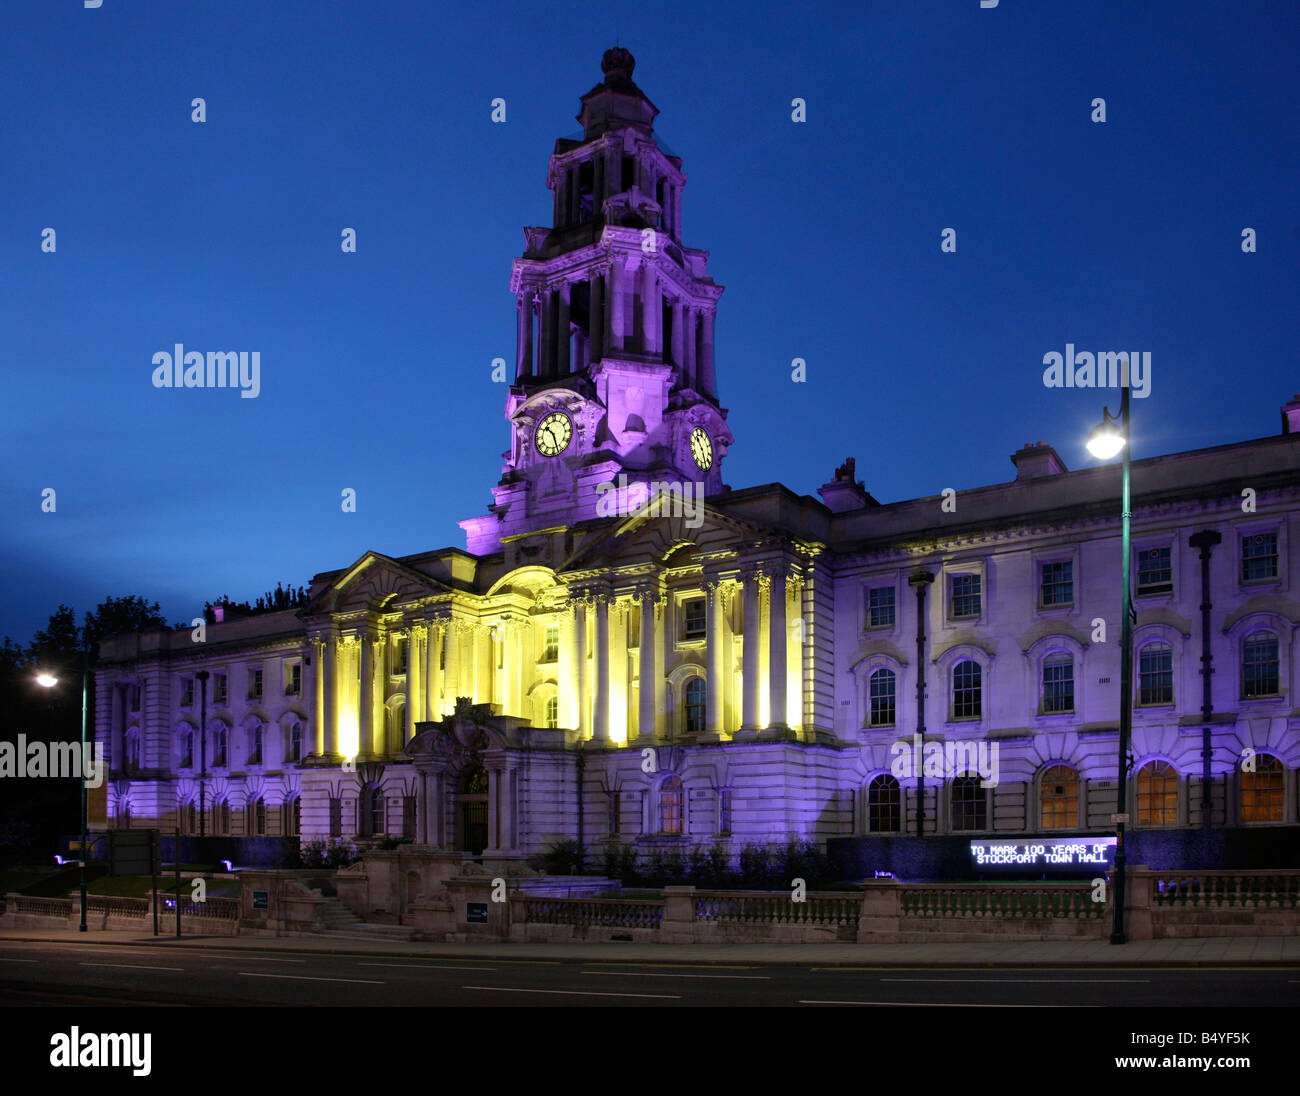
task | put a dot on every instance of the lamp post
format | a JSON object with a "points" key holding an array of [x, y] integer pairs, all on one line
{"points": [[1108, 439], [48, 681]]}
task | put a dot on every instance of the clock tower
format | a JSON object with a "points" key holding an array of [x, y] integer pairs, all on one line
{"points": [[614, 373]]}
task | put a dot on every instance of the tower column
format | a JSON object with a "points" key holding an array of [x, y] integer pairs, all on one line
{"points": [[679, 358], [598, 183], [706, 352], [524, 358], [596, 333], [617, 274], [688, 347], [546, 356], [749, 664], [652, 310], [563, 340]]}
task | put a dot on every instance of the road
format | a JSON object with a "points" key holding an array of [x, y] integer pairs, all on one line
{"points": [[40, 973]]}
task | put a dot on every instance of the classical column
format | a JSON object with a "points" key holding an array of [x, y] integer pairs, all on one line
{"points": [[562, 338], [596, 322], [566, 677], [580, 650], [715, 702], [484, 665], [414, 693], [318, 696], [366, 704], [379, 715], [776, 660], [451, 677], [651, 309], [117, 756], [649, 671], [600, 692], [598, 182], [679, 321], [706, 352], [330, 673], [524, 357], [432, 675], [750, 660]]}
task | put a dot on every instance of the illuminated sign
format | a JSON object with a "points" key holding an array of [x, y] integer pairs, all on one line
{"points": [[1044, 853]]}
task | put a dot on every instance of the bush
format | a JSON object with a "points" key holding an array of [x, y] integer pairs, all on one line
{"points": [[317, 853], [564, 857], [388, 844], [620, 862]]}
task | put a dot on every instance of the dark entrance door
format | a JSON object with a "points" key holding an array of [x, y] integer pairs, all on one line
{"points": [[474, 811]]}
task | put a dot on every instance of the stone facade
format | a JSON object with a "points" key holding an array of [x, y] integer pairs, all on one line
{"points": [[631, 651]]}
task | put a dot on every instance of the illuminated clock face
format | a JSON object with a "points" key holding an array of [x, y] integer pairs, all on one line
{"points": [[552, 434], [701, 449]]}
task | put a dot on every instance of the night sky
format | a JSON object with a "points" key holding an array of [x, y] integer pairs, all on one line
{"points": [[376, 366]]}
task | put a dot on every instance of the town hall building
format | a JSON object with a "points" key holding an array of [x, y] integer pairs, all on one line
{"points": [[629, 651]]}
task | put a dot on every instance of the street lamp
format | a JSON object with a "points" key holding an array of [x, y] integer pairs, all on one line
{"points": [[1108, 439], [48, 681]]}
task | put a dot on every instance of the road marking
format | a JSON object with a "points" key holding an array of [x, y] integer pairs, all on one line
{"points": [[648, 974], [927, 1004], [422, 966], [1023, 981], [130, 966], [258, 959], [683, 966], [575, 992], [19, 960], [308, 978]]}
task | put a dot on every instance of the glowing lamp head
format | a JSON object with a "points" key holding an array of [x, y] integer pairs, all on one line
{"points": [[1106, 440], [46, 681]]}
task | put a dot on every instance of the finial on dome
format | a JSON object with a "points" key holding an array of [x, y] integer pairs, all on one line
{"points": [[617, 62]]}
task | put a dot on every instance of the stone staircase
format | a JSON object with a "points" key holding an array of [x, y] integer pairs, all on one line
{"points": [[342, 922]]}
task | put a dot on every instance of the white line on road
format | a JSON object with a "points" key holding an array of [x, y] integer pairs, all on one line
{"points": [[255, 959], [926, 1004], [1025, 981], [19, 960], [130, 966], [647, 974], [307, 978], [422, 966], [576, 992]]}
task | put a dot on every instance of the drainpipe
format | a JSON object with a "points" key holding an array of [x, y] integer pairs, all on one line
{"points": [[921, 580], [1205, 540]]}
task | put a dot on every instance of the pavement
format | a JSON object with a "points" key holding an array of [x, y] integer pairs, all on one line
{"points": [[1203, 951]]}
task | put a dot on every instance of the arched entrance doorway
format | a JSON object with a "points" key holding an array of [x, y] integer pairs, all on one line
{"points": [[473, 810]]}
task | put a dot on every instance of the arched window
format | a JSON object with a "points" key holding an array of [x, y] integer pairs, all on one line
{"points": [[1058, 684], [882, 686], [671, 801], [552, 712], [219, 744], [290, 817], [255, 746], [969, 804], [375, 810], [1156, 674], [1058, 798], [256, 821], [1262, 790], [694, 694], [295, 742], [132, 751], [884, 805], [1259, 665], [967, 690], [221, 817], [187, 748], [189, 818], [1157, 794]]}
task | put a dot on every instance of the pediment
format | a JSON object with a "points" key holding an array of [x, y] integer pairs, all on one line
{"points": [[652, 536], [375, 582]]}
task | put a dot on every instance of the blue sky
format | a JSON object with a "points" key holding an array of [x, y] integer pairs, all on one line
{"points": [[375, 367]]}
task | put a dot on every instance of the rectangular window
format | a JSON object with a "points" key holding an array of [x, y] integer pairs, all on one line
{"points": [[293, 679], [336, 818], [615, 813], [187, 692], [965, 596], [1057, 587], [255, 684], [695, 621], [1155, 571], [551, 647], [399, 655], [1260, 666], [1058, 685], [1258, 557], [880, 607], [134, 690], [1156, 674], [218, 688], [408, 816]]}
